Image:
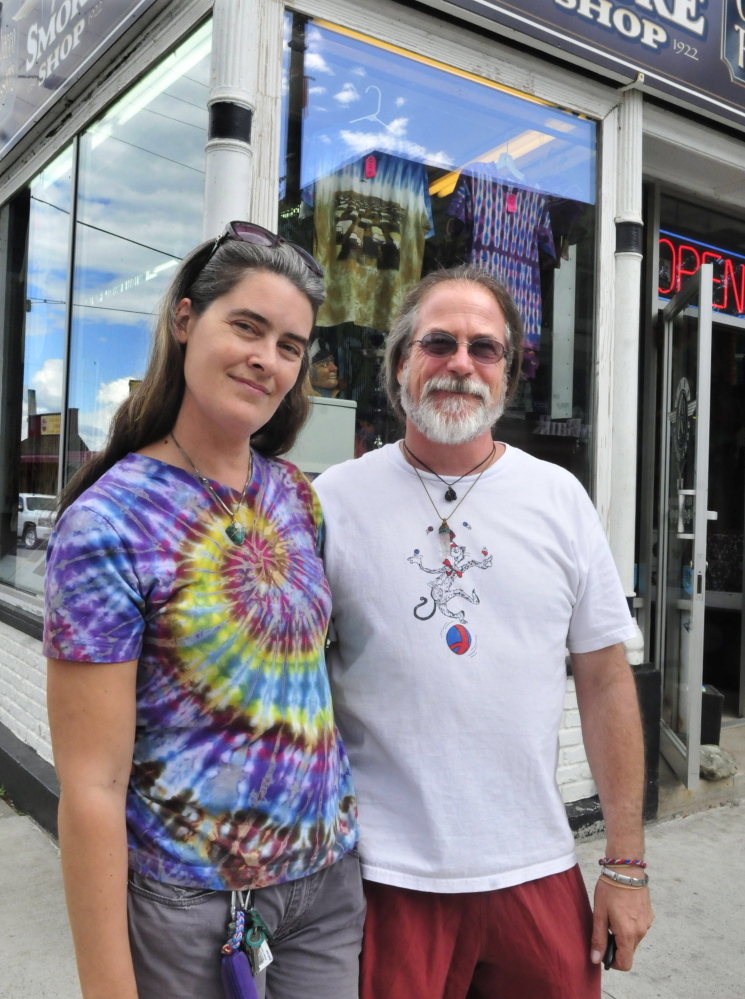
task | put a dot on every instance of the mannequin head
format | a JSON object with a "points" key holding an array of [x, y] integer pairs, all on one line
{"points": [[324, 373]]}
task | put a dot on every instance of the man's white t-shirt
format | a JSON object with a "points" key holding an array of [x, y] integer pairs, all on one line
{"points": [[449, 675]]}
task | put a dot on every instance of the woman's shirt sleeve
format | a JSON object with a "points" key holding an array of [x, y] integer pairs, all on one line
{"points": [[94, 605]]}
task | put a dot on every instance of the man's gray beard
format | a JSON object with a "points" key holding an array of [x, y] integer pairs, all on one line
{"points": [[453, 420]]}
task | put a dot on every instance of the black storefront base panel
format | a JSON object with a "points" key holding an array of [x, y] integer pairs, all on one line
{"points": [[30, 782]]}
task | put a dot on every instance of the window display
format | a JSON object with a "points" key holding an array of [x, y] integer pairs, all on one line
{"points": [[130, 191], [395, 165]]}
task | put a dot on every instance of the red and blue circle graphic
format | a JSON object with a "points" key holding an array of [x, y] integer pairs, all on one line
{"points": [[458, 639]]}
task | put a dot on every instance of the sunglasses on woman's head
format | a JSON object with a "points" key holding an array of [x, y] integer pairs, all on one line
{"points": [[484, 349], [249, 232]]}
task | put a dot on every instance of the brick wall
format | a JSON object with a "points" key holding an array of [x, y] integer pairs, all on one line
{"points": [[573, 773], [23, 711], [23, 699]]}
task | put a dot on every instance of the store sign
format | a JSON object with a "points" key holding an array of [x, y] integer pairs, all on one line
{"points": [[690, 50], [681, 257], [45, 46], [50, 425]]}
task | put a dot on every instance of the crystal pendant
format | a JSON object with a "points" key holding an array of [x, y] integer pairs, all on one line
{"points": [[445, 536], [451, 495], [236, 533]]}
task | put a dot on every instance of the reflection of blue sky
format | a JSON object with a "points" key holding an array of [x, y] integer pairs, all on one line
{"points": [[46, 286], [432, 116], [141, 190]]}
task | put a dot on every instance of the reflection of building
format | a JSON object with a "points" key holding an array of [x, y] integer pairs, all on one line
{"points": [[125, 170], [39, 455]]}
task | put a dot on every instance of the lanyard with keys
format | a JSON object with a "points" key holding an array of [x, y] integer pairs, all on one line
{"points": [[248, 943]]}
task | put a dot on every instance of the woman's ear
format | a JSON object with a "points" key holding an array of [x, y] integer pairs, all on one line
{"points": [[181, 319]]}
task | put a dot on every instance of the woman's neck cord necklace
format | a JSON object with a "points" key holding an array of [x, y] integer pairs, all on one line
{"points": [[451, 494], [444, 533], [235, 531]]}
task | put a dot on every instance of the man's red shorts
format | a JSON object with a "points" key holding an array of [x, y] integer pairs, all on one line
{"points": [[527, 942]]}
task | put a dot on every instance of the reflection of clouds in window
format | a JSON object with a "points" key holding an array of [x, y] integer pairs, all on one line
{"points": [[365, 142], [143, 195], [172, 70], [116, 273], [47, 383], [111, 291], [358, 71], [93, 425], [315, 63], [399, 102], [347, 94], [46, 281], [316, 90]]}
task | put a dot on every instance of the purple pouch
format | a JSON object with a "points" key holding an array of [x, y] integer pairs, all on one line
{"points": [[237, 979]]}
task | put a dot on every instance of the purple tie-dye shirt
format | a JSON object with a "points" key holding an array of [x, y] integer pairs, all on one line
{"points": [[239, 777]]}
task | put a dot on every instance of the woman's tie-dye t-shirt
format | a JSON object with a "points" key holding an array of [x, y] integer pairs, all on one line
{"points": [[239, 777]]}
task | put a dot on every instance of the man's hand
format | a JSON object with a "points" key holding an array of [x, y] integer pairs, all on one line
{"points": [[627, 912], [611, 727]]}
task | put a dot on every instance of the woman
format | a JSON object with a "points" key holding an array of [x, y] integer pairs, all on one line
{"points": [[188, 698]]}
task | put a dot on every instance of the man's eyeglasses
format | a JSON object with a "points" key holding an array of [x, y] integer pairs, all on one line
{"points": [[484, 349], [249, 232]]}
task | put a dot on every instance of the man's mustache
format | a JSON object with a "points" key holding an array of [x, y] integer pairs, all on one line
{"points": [[462, 386]]}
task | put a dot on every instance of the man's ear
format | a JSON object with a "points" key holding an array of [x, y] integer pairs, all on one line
{"points": [[401, 365], [181, 319]]}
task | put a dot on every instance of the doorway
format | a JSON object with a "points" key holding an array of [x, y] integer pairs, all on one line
{"points": [[724, 661], [684, 236]]}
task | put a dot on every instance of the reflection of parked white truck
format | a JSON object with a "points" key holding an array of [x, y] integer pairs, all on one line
{"points": [[35, 515]]}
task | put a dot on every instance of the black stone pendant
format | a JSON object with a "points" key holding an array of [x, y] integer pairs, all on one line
{"points": [[451, 494]]}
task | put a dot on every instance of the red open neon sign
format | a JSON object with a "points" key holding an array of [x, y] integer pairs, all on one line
{"points": [[681, 257]]}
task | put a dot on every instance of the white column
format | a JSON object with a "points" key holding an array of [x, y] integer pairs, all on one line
{"points": [[268, 123], [628, 269], [244, 109]]}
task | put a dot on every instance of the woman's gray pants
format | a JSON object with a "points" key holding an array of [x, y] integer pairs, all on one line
{"points": [[316, 922]]}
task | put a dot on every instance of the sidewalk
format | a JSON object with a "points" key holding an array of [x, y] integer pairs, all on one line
{"points": [[697, 877], [695, 948], [36, 956]]}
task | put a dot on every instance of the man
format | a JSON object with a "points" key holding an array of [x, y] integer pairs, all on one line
{"points": [[461, 570]]}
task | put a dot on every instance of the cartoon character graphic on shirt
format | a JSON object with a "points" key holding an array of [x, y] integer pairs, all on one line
{"points": [[446, 587]]}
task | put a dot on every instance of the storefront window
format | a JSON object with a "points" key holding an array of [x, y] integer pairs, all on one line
{"points": [[395, 165], [138, 210], [36, 334], [140, 200]]}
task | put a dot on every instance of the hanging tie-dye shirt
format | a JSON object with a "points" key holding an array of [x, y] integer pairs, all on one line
{"points": [[508, 225], [239, 777]]}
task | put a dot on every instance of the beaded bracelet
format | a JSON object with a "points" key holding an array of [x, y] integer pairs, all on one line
{"points": [[611, 862]]}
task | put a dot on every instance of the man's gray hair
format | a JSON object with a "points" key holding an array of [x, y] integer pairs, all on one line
{"points": [[398, 341]]}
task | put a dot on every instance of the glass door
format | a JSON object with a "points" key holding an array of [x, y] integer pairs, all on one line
{"points": [[683, 519]]}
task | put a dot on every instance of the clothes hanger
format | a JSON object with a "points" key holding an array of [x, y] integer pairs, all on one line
{"points": [[375, 116], [506, 166]]}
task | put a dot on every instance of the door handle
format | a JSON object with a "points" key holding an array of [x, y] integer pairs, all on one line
{"points": [[682, 493]]}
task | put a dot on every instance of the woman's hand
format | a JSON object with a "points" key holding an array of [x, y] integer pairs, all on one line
{"points": [[92, 719]]}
